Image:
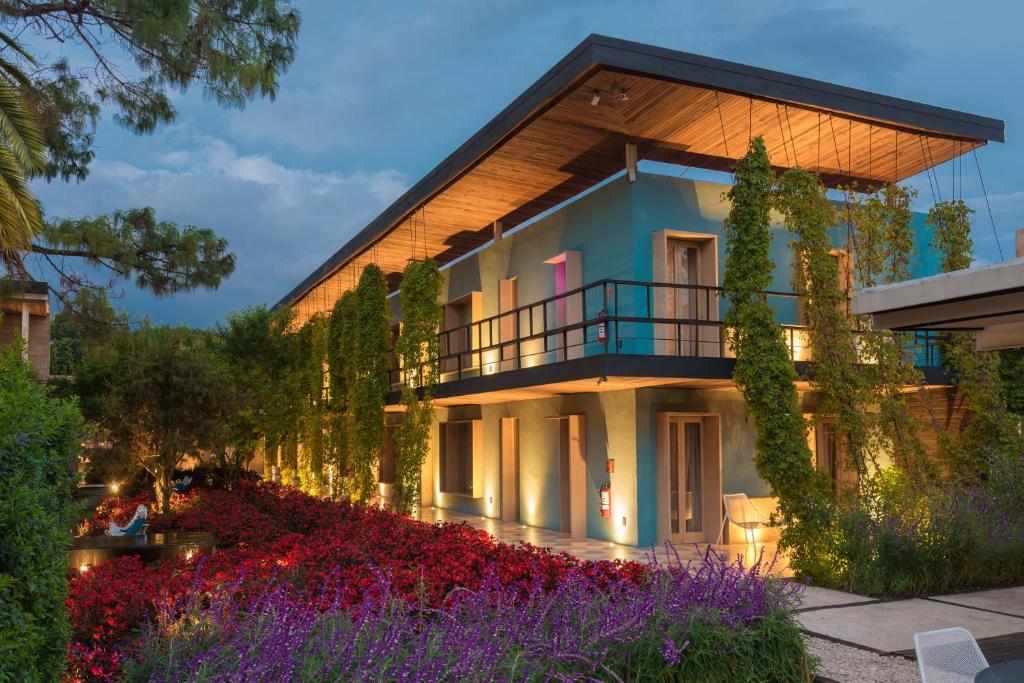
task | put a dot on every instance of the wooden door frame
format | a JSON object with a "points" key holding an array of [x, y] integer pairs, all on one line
{"points": [[711, 447]]}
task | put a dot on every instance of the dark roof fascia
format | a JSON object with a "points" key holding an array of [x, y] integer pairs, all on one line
{"points": [[597, 52]]}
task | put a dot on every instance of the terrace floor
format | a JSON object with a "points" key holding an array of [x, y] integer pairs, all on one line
{"points": [[590, 549]]}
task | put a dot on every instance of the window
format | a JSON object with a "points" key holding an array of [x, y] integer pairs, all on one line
{"points": [[459, 471]]}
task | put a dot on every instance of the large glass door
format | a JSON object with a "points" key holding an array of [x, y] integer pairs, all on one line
{"points": [[686, 476]]}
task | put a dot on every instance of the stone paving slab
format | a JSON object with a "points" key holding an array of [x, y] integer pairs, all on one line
{"points": [[1006, 600], [890, 626], [815, 598]]}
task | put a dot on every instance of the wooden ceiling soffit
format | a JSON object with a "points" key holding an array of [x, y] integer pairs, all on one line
{"points": [[546, 150]]}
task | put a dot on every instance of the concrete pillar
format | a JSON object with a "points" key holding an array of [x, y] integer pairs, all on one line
{"points": [[24, 329], [1020, 243]]}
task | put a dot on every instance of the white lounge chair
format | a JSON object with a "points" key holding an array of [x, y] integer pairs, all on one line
{"points": [[949, 655], [741, 512], [136, 526]]}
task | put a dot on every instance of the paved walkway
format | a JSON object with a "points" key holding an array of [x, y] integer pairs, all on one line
{"points": [[589, 549]]}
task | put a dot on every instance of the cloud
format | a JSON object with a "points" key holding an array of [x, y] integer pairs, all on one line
{"points": [[281, 221]]}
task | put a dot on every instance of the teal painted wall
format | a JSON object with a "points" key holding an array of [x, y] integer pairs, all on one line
{"points": [[612, 227]]}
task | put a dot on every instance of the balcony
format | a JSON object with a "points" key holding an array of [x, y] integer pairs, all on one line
{"points": [[625, 319]]}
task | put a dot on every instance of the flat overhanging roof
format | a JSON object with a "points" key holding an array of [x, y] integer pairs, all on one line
{"points": [[988, 300], [569, 131]]}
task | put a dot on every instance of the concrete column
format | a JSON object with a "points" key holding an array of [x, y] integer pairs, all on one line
{"points": [[24, 329]]}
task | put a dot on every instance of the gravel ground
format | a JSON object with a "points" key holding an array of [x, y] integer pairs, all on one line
{"points": [[852, 665]]}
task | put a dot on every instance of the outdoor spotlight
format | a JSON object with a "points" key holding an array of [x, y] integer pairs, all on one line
{"points": [[115, 487], [83, 568], [622, 95], [595, 98]]}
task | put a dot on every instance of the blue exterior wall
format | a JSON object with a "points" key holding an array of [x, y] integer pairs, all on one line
{"points": [[612, 228]]}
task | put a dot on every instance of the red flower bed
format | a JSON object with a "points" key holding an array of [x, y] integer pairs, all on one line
{"points": [[265, 531]]}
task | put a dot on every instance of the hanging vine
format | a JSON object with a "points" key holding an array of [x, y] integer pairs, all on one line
{"points": [[312, 353], [341, 344], [764, 372], [808, 214], [417, 351], [369, 380], [991, 431], [884, 240]]}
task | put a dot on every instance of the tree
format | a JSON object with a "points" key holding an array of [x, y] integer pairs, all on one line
{"points": [[130, 56], [417, 351], [165, 396], [163, 258], [39, 439], [87, 320], [257, 347], [341, 346], [21, 157], [235, 50], [764, 372]]}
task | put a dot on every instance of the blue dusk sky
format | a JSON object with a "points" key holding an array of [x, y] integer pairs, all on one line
{"points": [[380, 92]]}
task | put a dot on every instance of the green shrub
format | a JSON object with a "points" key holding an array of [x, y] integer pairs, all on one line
{"points": [[39, 440], [904, 539]]}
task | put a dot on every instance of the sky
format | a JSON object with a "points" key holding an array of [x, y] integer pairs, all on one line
{"points": [[380, 92]]}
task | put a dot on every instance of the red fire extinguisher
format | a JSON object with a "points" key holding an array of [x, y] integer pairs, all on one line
{"points": [[606, 500], [602, 327]]}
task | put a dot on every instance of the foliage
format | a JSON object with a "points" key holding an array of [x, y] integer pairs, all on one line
{"points": [[764, 372], [417, 351], [312, 348], [906, 539], [882, 238], [719, 623], [163, 258], [261, 355], [809, 215], [341, 350], [1011, 377], [89, 320], [39, 440], [235, 50], [163, 398], [128, 55], [991, 431], [267, 531], [21, 157], [370, 379]]}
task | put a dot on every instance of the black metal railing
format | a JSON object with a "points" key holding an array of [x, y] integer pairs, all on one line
{"points": [[619, 316]]}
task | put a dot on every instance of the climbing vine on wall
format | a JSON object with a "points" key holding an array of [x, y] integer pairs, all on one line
{"points": [[341, 343], [312, 352], [764, 372], [808, 214], [991, 431], [369, 379], [417, 351], [882, 244]]}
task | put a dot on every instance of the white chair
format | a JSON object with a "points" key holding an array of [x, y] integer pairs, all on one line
{"points": [[136, 526], [949, 655], [741, 512]]}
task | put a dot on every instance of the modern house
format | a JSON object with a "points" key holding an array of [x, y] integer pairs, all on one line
{"points": [[25, 314], [586, 379]]}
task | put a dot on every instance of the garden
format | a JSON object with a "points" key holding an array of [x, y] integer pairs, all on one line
{"points": [[303, 588]]}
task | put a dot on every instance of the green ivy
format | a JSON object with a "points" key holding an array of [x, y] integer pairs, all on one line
{"points": [[833, 371], [764, 372], [370, 383], [312, 354], [341, 347], [991, 431], [883, 243], [417, 351]]}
